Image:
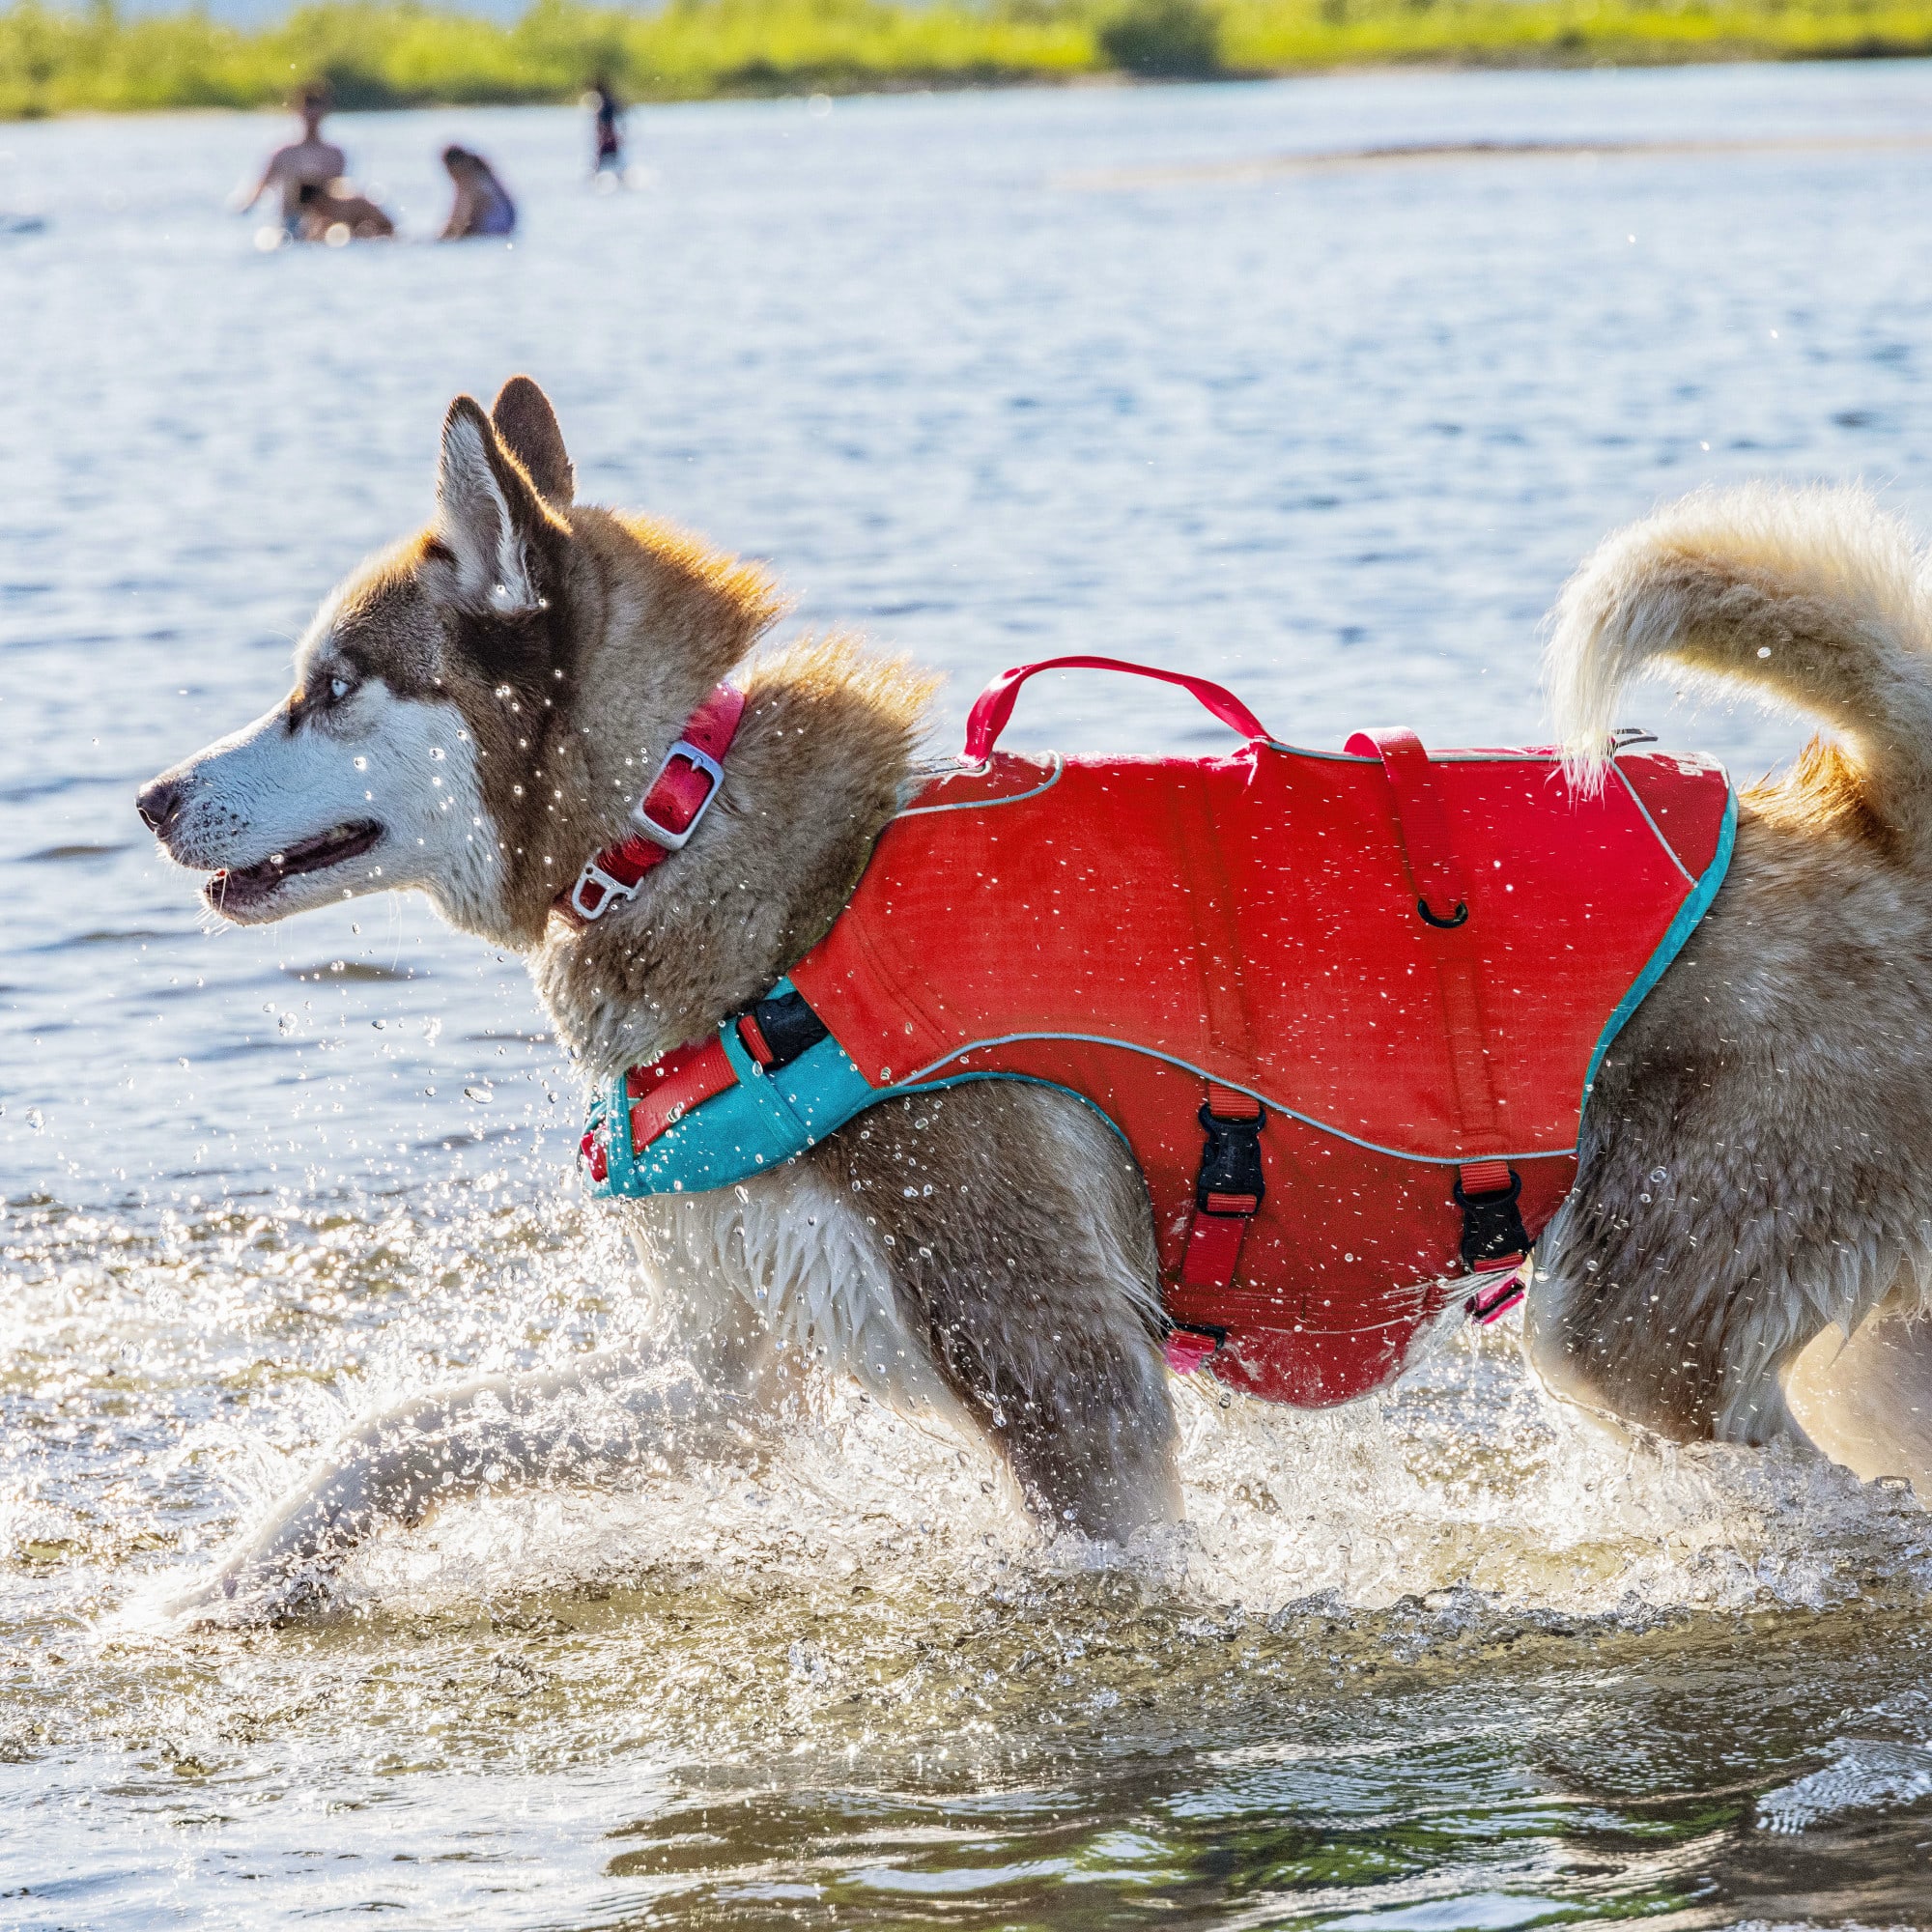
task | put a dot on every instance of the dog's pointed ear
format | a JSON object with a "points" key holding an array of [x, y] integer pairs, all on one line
{"points": [[488, 515], [526, 426]]}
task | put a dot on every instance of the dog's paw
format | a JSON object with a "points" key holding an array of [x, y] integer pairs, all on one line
{"points": [[242, 1595]]}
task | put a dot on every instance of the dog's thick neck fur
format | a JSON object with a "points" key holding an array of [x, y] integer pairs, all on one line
{"points": [[621, 626], [820, 764]]}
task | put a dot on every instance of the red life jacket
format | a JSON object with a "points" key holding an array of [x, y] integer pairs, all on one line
{"points": [[1343, 1009]]}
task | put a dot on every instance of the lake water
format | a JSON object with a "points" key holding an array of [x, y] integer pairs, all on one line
{"points": [[992, 377]]}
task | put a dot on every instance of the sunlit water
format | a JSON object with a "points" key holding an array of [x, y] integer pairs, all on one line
{"points": [[1447, 1658]]}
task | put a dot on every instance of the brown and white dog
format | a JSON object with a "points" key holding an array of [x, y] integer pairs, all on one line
{"points": [[476, 710]]}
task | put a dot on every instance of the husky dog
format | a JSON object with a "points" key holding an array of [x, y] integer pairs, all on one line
{"points": [[476, 711]]}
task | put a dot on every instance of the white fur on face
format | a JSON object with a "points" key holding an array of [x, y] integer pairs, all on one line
{"points": [[405, 765]]}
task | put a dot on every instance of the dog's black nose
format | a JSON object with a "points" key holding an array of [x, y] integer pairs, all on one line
{"points": [[159, 803]]}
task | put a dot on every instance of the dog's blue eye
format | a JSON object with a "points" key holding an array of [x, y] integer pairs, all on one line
{"points": [[338, 687]]}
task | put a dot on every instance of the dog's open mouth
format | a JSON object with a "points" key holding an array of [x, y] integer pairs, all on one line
{"points": [[232, 892]]}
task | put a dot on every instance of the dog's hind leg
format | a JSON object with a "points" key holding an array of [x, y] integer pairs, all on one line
{"points": [[1866, 1401], [1756, 1164], [1020, 1245]]}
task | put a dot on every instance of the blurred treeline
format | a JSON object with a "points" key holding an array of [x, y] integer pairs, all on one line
{"points": [[391, 53]]}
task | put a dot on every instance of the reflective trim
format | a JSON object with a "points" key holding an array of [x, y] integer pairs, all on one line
{"points": [[1680, 929], [920, 1079], [982, 804], [1657, 831]]}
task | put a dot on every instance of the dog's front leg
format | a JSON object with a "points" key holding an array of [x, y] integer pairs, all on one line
{"points": [[604, 1415], [1016, 1232]]}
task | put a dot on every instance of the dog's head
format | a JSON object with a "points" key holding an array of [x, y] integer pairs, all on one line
{"points": [[435, 736]]}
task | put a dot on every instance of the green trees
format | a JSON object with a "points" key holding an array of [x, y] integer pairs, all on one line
{"points": [[379, 53], [1162, 39]]}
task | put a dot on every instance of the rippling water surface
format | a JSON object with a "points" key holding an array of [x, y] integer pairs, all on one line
{"points": [[992, 377]]}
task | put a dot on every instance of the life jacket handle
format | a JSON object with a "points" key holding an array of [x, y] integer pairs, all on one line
{"points": [[994, 705]]}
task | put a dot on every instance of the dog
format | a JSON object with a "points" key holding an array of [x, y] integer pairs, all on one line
{"points": [[338, 210], [475, 713]]}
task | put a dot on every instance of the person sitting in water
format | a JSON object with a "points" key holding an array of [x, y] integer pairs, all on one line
{"points": [[310, 163], [482, 205]]}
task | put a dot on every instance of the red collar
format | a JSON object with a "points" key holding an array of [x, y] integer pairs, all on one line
{"points": [[686, 785]]}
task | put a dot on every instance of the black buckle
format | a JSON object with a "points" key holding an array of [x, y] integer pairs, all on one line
{"points": [[790, 1027], [1230, 1163], [1492, 1229]]}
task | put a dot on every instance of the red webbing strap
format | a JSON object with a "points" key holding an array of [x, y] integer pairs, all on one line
{"points": [[994, 705], [661, 1093], [679, 796], [1223, 1212], [1435, 872], [1213, 1250], [1186, 1348], [1427, 843], [1443, 906], [1485, 1177], [1228, 1195], [1229, 1103], [751, 1036]]}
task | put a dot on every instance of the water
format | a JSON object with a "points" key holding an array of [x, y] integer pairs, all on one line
{"points": [[977, 376]]}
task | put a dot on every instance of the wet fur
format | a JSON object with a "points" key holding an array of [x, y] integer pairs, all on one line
{"points": [[1753, 1154], [1756, 1160]]}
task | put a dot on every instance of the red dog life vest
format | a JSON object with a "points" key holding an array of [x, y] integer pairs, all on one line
{"points": [[1344, 1009]]}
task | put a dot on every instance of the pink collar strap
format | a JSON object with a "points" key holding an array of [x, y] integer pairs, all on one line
{"points": [[676, 800]]}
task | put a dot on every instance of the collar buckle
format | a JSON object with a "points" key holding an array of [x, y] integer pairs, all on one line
{"points": [[609, 892], [654, 829]]}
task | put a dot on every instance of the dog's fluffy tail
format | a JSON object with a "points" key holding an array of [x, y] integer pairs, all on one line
{"points": [[1814, 598]]}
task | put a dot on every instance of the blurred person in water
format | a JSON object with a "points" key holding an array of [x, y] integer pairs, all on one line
{"points": [[482, 204], [608, 124], [319, 201], [309, 164]]}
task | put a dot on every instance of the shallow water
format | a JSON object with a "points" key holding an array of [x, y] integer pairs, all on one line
{"points": [[976, 379]]}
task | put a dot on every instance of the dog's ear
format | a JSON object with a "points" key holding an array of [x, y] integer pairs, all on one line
{"points": [[526, 426], [487, 516]]}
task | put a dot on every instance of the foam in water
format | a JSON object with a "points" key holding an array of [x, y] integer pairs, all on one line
{"points": [[1468, 1483]]}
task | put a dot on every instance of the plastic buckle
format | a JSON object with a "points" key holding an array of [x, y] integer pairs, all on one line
{"points": [[610, 892], [663, 834], [1493, 1235], [1231, 1164]]}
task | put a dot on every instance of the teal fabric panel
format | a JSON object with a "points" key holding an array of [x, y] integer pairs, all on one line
{"points": [[1688, 916], [763, 1121]]}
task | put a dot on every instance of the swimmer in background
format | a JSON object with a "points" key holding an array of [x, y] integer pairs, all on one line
{"points": [[609, 128], [318, 200], [482, 205], [310, 163]]}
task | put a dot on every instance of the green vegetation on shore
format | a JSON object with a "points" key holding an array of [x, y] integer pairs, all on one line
{"points": [[379, 53]]}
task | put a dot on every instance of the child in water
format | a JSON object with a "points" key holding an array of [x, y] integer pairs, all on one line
{"points": [[482, 205]]}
